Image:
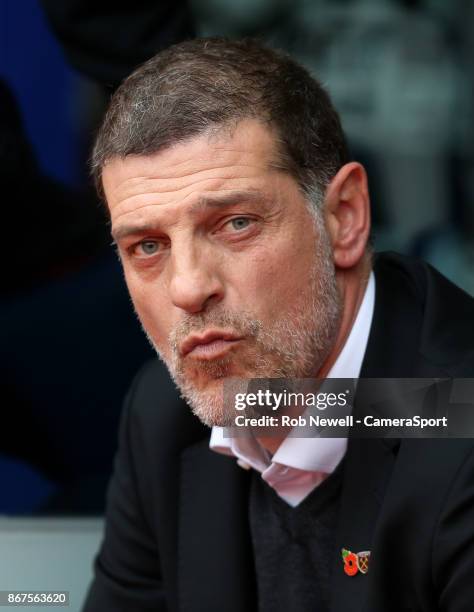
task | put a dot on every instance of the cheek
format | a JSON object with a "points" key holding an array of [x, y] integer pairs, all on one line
{"points": [[272, 279], [152, 311]]}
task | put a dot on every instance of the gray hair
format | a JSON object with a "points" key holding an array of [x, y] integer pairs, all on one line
{"points": [[211, 83]]}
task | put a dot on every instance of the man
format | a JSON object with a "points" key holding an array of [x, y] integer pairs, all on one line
{"points": [[242, 227]]}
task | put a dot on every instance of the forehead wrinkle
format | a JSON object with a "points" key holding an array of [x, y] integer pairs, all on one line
{"points": [[134, 184], [130, 196], [125, 201], [134, 193], [134, 211], [219, 200], [226, 200]]}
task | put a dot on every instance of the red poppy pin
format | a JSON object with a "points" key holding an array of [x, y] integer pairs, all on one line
{"points": [[355, 562]]}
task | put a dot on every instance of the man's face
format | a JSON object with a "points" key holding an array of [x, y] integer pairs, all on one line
{"points": [[228, 272]]}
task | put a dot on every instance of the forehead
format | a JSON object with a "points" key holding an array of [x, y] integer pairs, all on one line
{"points": [[218, 162]]}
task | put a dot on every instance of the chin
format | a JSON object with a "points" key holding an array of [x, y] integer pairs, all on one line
{"points": [[209, 408], [203, 394]]}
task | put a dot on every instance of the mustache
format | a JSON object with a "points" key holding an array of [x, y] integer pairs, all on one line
{"points": [[241, 323]]}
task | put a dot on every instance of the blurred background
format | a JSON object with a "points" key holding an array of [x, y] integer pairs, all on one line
{"points": [[401, 74]]}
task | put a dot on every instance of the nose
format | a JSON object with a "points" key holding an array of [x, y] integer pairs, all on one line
{"points": [[195, 281]]}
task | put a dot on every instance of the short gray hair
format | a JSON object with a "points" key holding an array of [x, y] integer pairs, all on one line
{"points": [[206, 84]]}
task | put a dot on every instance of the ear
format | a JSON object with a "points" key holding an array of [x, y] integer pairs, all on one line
{"points": [[347, 213]]}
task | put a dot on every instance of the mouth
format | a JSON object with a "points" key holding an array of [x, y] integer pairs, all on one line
{"points": [[209, 345]]}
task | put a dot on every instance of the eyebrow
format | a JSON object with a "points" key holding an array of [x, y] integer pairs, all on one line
{"points": [[220, 201]]}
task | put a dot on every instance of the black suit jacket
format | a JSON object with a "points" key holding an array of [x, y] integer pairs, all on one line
{"points": [[177, 534]]}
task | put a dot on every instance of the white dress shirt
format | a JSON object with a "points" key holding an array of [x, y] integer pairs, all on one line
{"points": [[301, 464]]}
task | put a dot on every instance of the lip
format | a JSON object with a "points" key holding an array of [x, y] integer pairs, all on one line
{"points": [[208, 345]]}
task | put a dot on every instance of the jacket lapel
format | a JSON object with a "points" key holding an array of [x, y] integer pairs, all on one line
{"points": [[215, 561], [368, 467], [391, 352]]}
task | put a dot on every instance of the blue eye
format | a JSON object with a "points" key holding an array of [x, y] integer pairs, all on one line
{"points": [[149, 247], [240, 223]]}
